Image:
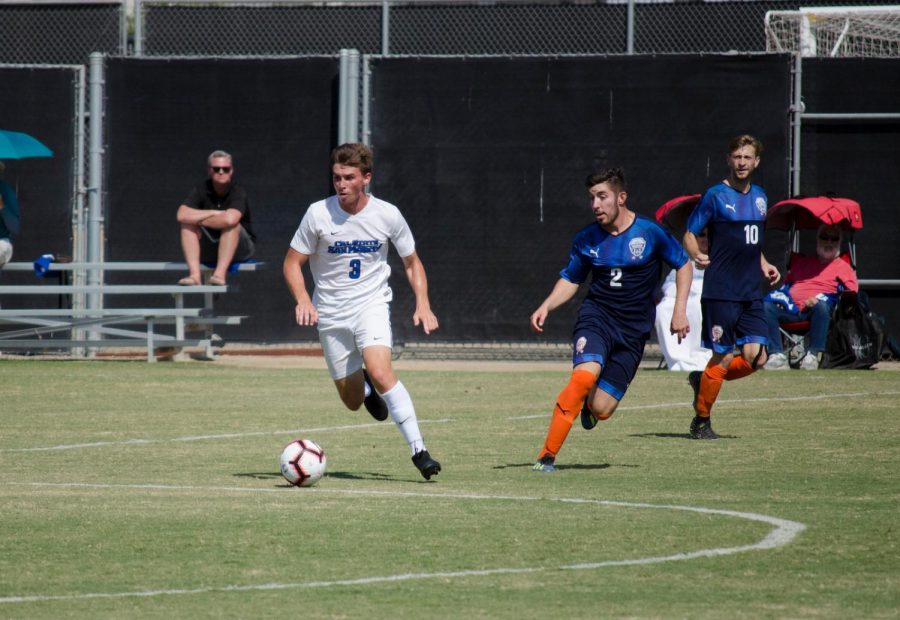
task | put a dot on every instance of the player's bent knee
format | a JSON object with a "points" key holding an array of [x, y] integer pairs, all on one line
{"points": [[758, 360]]}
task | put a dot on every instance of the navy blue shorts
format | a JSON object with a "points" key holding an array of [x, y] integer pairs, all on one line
{"points": [[730, 324], [618, 353]]}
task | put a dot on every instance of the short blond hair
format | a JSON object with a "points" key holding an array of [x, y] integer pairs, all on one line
{"points": [[745, 140]]}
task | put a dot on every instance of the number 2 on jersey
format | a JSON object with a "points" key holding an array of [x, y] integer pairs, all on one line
{"points": [[615, 277], [354, 269]]}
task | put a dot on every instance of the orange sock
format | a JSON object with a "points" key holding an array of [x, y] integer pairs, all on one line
{"points": [[738, 368], [568, 405], [710, 384]]}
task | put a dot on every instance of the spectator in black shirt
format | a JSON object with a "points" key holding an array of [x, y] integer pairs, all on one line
{"points": [[215, 223]]}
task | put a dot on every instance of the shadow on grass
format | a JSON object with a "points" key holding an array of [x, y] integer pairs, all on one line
{"points": [[259, 475], [676, 436], [341, 475], [360, 475], [569, 466]]}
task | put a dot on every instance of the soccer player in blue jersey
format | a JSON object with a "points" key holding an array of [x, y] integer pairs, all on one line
{"points": [[622, 253], [734, 211]]}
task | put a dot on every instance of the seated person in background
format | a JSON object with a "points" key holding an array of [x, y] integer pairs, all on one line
{"points": [[215, 223], [9, 218], [689, 354], [813, 284]]}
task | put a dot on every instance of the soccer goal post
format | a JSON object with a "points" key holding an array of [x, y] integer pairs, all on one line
{"points": [[860, 32]]}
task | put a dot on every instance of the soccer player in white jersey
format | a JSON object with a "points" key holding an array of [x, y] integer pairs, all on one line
{"points": [[344, 238]]}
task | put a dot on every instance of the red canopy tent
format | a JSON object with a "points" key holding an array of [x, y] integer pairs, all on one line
{"points": [[812, 212], [808, 213], [674, 213]]}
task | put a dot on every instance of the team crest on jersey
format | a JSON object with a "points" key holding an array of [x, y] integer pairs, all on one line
{"points": [[580, 344], [717, 332], [637, 246], [761, 205]]}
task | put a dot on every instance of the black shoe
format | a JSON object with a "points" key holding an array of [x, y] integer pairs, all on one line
{"points": [[545, 464], [694, 379], [374, 403], [427, 465], [588, 421], [701, 428]]}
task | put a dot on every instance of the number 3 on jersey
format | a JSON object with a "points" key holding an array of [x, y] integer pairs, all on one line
{"points": [[354, 269]]}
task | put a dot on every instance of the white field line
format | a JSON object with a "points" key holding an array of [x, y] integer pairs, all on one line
{"points": [[783, 532], [736, 401], [139, 442], [325, 429]]}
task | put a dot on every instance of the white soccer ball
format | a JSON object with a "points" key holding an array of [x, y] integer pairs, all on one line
{"points": [[303, 462]]}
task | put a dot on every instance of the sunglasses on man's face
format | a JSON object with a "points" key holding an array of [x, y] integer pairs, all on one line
{"points": [[829, 238], [220, 169]]}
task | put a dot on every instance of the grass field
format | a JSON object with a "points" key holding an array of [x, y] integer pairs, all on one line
{"points": [[136, 490]]}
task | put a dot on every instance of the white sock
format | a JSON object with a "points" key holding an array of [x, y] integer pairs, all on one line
{"points": [[403, 414]]}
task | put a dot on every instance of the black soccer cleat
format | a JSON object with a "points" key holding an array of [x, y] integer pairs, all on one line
{"points": [[588, 421], [701, 428], [694, 379], [374, 403], [426, 465], [545, 464]]}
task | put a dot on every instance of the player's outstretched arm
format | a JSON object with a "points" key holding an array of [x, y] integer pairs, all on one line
{"points": [[562, 292], [679, 324], [418, 281], [305, 312]]}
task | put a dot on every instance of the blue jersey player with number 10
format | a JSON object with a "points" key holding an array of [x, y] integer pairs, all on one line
{"points": [[734, 211], [622, 253]]}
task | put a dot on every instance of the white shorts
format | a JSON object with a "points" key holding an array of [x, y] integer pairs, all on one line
{"points": [[6, 249], [343, 341]]}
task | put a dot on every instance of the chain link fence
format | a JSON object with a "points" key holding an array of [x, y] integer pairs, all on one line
{"points": [[68, 31], [459, 28], [241, 29], [61, 33]]}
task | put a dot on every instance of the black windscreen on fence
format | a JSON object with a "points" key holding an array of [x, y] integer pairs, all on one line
{"points": [[164, 117], [487, 159], [857, 158], [40, 102]]}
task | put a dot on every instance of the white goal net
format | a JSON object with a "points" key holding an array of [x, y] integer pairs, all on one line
{"points": [[869, 32]]}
